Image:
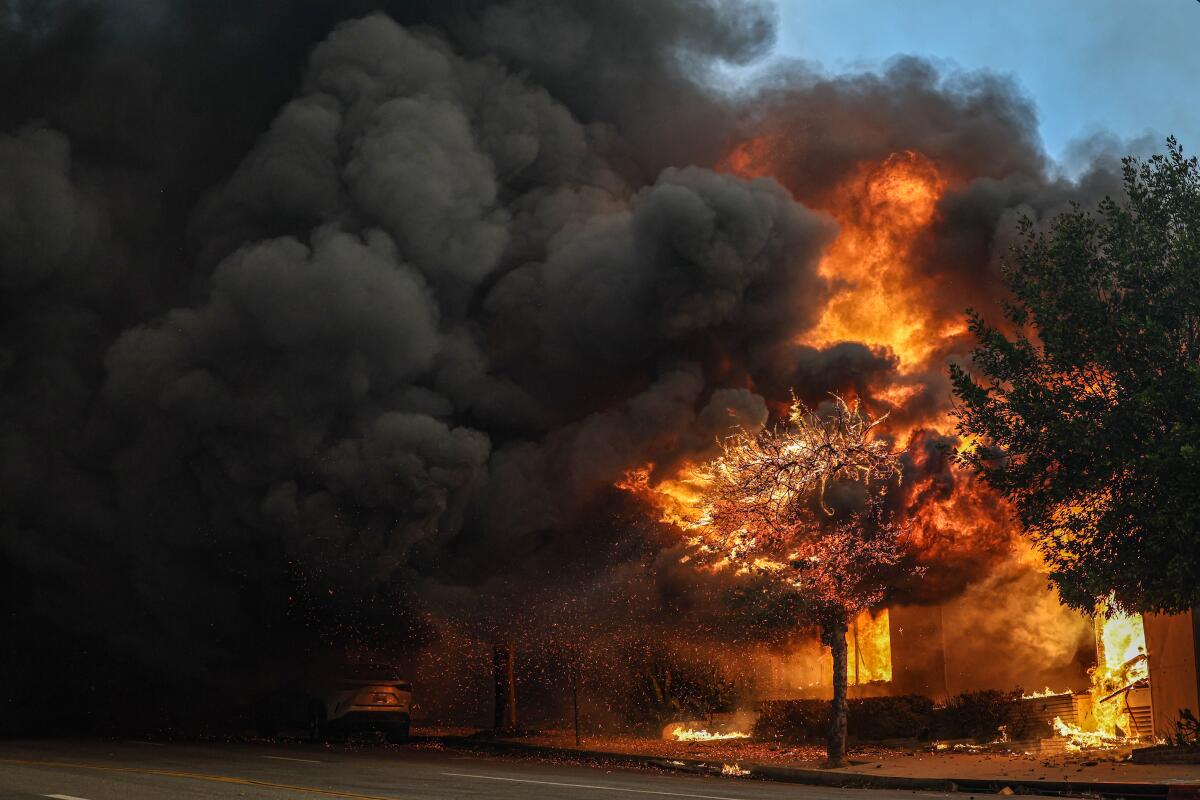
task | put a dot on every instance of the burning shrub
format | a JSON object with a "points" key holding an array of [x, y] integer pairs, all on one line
{"points": [[870, 719]]}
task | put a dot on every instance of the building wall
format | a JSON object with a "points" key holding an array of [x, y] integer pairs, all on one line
{"points": [[1173, 647], [918, 651]]}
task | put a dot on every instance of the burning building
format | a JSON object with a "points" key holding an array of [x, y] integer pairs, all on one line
{"points": [[998, 626]]}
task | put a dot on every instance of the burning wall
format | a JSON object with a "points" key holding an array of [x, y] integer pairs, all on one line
{"points": [[1173, 649]]}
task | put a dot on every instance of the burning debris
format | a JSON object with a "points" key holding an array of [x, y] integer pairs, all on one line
{"points": [[1079, 740], [683, 734]]}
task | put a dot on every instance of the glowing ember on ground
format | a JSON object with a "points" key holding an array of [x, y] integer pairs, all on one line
{"points": [[734, 770], [693, 735]]}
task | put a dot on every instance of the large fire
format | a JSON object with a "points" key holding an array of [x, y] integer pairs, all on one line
{"points": [[882, 210], [1120, 664]]}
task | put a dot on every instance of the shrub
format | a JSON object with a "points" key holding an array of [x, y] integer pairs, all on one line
{"points": [[979, 715], [792, 720], [1187, 730], [869, 719]]}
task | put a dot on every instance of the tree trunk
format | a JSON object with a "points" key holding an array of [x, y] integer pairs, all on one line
{"points": [[835, 637], [575, 697], [506, 690]]}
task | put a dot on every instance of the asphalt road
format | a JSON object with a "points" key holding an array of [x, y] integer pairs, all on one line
{"points": [[129, 770]]}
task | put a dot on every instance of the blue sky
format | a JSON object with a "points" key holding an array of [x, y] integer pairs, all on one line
{"points": [[1124, 66]]}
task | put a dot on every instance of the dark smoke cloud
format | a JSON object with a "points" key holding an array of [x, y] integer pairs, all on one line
{"points": [[970, 124], [329, 323]]}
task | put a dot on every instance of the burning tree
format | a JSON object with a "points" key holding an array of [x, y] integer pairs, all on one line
{"points": [[768, 507]]}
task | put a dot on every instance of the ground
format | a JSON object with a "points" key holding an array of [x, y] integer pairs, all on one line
{"points": [[133, 770]]}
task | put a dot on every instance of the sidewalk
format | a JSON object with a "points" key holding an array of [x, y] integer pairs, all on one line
{"points": [[1074, 769], [883, 768]]}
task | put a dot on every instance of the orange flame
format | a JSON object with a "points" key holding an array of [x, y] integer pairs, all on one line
{"points": [[682, 734], [883, 210], [870, 647]]}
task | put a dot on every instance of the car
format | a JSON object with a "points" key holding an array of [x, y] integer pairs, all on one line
{"points": [[364, 698], [367, 699]]}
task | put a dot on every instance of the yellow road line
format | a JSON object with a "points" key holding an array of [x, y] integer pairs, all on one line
{"points": [[196, 776]]}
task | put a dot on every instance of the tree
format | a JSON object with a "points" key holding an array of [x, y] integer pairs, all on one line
{"points": [[1086, 407], [767, 507]]}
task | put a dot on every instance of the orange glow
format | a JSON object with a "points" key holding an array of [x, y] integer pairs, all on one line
{"points": [[870, 648], [1120, 662], [880, 297], [1047, 692], [944, 521], [678, 498], [882, 210], [752, 158]]}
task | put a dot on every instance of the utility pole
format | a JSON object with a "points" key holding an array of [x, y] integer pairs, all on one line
{"points": [[506, 692], [575, 690]]}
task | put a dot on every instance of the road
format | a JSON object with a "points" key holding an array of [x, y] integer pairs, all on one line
{"points": [[130, 770]]}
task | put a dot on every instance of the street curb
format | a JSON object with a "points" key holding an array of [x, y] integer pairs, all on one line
{"points": [[846, 780]]}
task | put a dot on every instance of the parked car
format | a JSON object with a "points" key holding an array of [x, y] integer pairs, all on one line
{"points": [[365, 698]]}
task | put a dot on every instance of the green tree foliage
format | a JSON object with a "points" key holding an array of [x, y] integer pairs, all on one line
{"points": [[1086, 399]]}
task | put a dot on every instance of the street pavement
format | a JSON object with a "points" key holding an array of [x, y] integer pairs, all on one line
{"points": [[132, 770]]}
